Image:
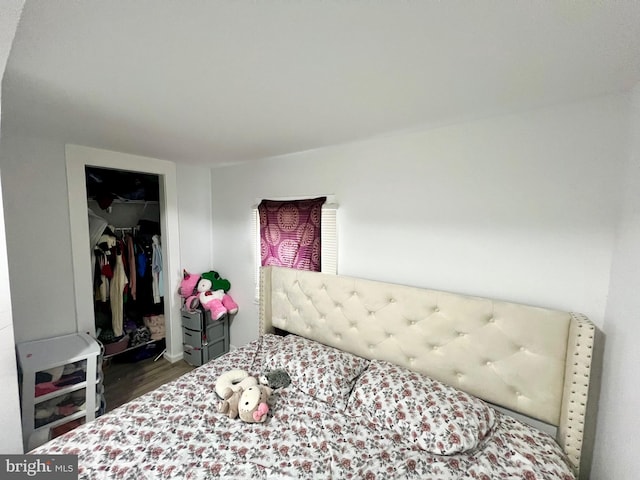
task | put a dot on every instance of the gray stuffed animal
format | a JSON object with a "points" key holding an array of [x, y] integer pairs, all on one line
{"points": [[275, 378]]}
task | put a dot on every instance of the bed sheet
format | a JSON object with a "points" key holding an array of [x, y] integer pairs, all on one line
{"points": [[176, 432]]}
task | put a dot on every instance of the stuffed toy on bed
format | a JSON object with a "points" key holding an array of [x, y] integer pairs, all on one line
{"points": [[242, 396], [229, 405], [249, 404], [233, 381], [275, 379]]}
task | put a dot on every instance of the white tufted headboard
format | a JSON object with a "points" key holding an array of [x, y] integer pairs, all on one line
{"points": [[530, 360]]}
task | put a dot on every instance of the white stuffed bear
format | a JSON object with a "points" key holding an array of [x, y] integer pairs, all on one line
{"points": [[211, 300], [217, 302]]}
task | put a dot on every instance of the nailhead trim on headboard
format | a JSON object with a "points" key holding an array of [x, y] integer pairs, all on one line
{"points": [[576, 392]]}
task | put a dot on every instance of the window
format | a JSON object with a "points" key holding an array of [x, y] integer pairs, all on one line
{"points": [[328, 240]]}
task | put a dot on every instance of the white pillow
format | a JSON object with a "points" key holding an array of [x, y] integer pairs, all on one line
{"points": [[438, 418]]}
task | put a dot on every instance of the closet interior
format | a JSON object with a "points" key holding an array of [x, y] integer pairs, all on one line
{"points": [[126, 252]]}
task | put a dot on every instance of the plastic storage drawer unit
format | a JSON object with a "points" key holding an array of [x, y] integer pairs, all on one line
{"points": [[203, 338]]}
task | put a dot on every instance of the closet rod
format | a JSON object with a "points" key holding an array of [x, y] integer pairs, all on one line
{"points": [[123, 230]]}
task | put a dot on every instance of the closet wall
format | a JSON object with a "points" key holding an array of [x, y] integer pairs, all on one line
{"points": [[126, 241]]}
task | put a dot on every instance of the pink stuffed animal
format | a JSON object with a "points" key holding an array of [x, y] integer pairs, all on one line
{"points": [[188, 291]]}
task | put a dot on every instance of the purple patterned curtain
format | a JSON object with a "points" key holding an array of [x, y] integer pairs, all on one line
{"points": [[290, 233]]}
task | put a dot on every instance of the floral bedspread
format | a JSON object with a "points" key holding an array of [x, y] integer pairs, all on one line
{"points": [[176, 432]]}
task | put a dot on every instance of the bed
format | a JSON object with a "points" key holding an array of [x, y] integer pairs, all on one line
{"points": [[387, 381]]}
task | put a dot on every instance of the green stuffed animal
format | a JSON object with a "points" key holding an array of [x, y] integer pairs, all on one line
{"points": [[217, 282]]}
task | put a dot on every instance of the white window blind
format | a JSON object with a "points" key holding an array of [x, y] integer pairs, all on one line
{"points": [[328, 240]]}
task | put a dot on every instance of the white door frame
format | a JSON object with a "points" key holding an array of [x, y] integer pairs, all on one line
{"points": [[77, 158]]}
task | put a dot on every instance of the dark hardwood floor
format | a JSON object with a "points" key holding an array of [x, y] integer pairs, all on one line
{"points": [[126, 381]]}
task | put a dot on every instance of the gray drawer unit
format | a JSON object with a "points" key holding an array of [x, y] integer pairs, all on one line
{"points": [[193, 356], [192, 321], [218, 338], [204, 339], [192, 338], [218, 330], [215, 349]]}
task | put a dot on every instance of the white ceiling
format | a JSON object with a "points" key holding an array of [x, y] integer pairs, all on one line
{"points": [[211, 81]]}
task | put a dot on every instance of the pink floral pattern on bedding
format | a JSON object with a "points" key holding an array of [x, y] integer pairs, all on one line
{"points": [[323, 372], [175, 432], [438, 418]]}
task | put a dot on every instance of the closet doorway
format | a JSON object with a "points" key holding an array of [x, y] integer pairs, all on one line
{"points": [[78, 160], [128, 279]]}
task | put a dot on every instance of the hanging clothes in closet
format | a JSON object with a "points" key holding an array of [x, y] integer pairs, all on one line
{"points": [[156, 268], [117, 292], [111, 280], [150, 286], [129, 287], [128, 282]]}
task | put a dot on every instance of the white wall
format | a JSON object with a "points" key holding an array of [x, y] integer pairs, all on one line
{"points": [[618, 419], [38, 236], [194, 215], [11, 438], [520, 207]]}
